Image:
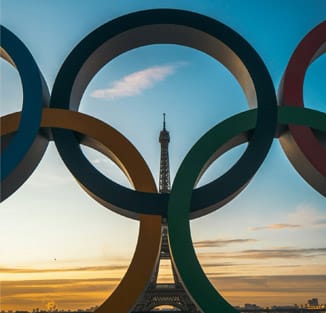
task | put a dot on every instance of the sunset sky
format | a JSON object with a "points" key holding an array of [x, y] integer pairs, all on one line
{"points": [[58, 245]]}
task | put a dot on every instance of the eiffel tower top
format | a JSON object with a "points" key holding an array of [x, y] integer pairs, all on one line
{"points": [[164, 140], [164, 134]]}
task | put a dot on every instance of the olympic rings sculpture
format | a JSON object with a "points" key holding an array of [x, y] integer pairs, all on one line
{"points": [[55, 117]]}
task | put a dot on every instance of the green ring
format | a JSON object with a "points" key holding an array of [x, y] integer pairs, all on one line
{"points": [[183, 253]]}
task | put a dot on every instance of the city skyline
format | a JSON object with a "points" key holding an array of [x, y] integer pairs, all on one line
{"points": [[59, 245], [311, 305]]}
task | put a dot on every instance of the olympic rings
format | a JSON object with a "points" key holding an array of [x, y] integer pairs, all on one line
{"points": [[291, 122], [24, 150], [184, 256], [98, 135], [166, 26], [301, 146]]}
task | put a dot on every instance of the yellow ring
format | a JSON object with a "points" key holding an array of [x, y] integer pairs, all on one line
{"points": [[99, 136]]}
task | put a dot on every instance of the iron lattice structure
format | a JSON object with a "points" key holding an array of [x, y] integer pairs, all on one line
{"points": [[174, 293], [164, 140]]}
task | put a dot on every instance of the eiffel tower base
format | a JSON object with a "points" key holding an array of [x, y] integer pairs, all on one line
{"points": [[172, 294]]}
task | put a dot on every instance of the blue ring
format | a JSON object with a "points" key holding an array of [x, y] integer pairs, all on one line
{"points": [[25, 148]]}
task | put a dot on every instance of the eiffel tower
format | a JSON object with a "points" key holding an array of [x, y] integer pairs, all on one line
{"points": [[158, 294]]}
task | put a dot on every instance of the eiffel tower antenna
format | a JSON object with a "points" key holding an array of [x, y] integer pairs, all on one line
{"points": [[164, 121], [158, 294]]}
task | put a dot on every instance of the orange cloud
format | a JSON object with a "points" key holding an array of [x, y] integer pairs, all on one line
{"points": [[220, 242], [66, 293], [281, 253], [71, 269], [73, 293], [275, 227]]}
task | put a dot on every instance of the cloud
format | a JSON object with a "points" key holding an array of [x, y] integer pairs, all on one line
{"points": [[70, 293], [307, 215], [134, 84], [281, 253], [84, 293], [320, 221], [220, 242], [272, 284], [4, 270], [275, 227], [225, 264]]}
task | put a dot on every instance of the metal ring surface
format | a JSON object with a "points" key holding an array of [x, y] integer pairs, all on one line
{"points": [[127, 157], [174, 27], [23, 151], [304, 150]]}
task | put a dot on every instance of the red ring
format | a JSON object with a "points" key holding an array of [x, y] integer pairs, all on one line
{"points": [[291, 94]]}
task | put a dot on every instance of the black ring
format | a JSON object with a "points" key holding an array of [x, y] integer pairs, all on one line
{"points": [[173, 27]]}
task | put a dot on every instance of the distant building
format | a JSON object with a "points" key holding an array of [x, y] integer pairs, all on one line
{"points": [[251, 306], [313, 302]]}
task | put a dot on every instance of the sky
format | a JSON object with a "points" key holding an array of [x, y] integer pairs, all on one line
{"points": [[59, 246]]}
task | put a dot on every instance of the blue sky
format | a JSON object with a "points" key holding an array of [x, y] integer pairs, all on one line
{"points": [[277, 213]]}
